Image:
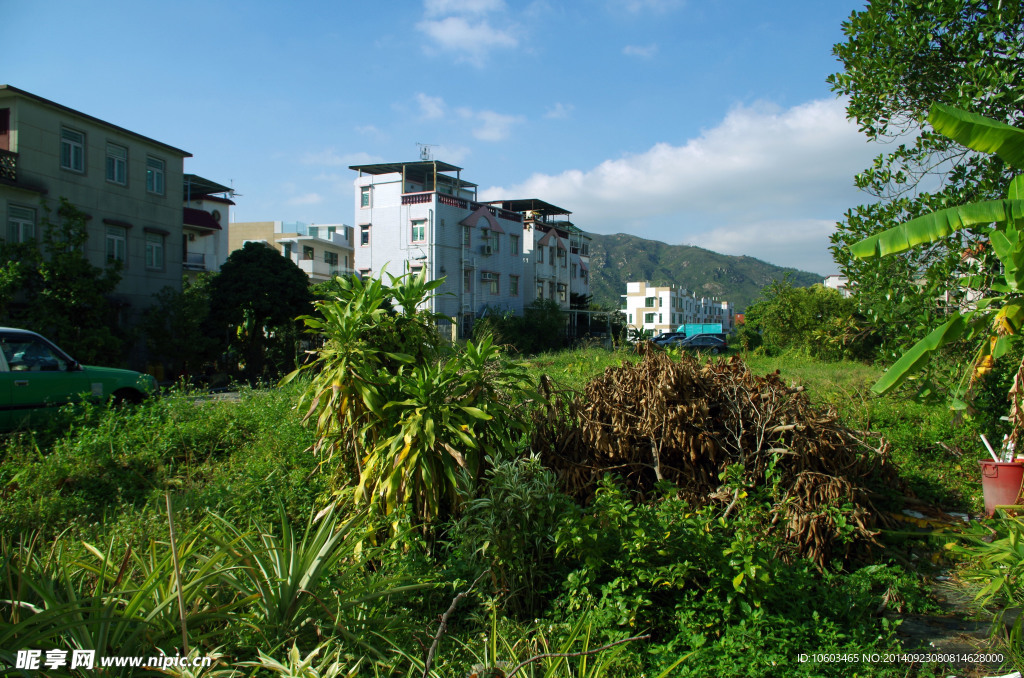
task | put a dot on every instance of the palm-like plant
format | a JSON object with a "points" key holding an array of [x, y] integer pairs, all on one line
{"points": [[997, 316]]}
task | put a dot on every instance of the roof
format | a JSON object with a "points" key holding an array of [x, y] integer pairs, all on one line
{"points": [[393, 167], [196, 187], [530, 205], [29, 95], [200, 219]]}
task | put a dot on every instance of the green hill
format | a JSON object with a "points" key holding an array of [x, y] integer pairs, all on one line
{"points": [[620, 258]]}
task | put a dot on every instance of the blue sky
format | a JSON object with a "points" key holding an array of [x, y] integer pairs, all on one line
{"points": [[692, 122]]}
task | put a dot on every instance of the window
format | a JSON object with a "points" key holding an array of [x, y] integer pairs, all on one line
{"points": [[561, 292], [72, 150], [117, 244], [540, 255], [496, 243], [648, 318], [155, 176], [364, 196], [364, 273], [574, 270], [331, 258], [630, 321], [419, 230], [540, 290], [513, 285], [287, 250], [467, 280], [21, 224], [551, 255], [117, 164], [154, 251], [467, 236], [308, 254], [650, 302], [551, 290], [513, 241], [491, 279], [364, 235]]}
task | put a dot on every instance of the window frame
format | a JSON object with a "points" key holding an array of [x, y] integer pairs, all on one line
{"points": [[364, 235], [69, 159], [156, 175], [513, 285], [155, 245], [112, 236], [514, 244], [420, 224], [365, 197], [113, 162], [28, 219]]}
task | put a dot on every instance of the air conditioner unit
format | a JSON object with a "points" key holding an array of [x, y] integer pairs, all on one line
{"points": [[486, 276], [486, 250]]}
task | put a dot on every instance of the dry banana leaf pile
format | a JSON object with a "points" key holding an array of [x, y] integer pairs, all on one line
{"points": [[685, 422]]}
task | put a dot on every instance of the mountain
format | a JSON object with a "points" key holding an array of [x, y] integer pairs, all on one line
{"points": [[620, 258]]}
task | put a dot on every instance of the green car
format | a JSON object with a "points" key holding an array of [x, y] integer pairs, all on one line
{"points": [[36, 378]]}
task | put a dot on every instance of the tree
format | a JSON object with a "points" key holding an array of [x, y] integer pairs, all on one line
{"points": [[56, 291], [176, 327], [900, 57], [795, 317], [994, 318], [254, 301]]}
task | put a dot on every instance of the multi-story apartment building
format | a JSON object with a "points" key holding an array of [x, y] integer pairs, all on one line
{"points": [[322, 251], [128, 185], [556, 254], [424, 215], [204, 238], [664, 309]]}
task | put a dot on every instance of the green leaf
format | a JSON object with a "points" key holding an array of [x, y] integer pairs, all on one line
{"points": [[1016, 189], [937, 225], [915, 358], [979, 133]]}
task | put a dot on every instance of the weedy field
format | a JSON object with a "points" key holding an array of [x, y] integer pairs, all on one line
{"points": [[277, 560]]}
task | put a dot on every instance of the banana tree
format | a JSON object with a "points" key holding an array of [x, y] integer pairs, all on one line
{"points": [[994, 314]]}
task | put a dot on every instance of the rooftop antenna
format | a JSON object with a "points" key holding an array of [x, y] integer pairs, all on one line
{"points": [[233, 193], [425, 153]]}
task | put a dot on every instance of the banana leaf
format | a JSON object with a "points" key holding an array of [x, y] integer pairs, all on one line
{"points": [[979, 133], [917, 356], [936, 225]]}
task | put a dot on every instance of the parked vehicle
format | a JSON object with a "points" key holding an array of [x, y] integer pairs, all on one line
{"points": [[36, 378], [708, 343], [668, 337]]}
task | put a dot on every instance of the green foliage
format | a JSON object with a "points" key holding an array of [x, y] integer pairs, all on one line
{"points": [[254, 301], [176, 328], [411, 414], [41, 288], [900, 58], [816, 319], [508, 525], [540, 328], [996, 314]]}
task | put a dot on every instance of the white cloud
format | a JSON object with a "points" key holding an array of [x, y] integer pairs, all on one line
{"points": [[305, 199], [492, 126], [464, 28], [761, 177], [444, 7], [559, 111], [642, 51], [430, 107]]}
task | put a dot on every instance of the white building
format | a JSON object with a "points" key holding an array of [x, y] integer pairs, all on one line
{"points": [[839, 283], [664, 309], [204, 238], [424, 215]]}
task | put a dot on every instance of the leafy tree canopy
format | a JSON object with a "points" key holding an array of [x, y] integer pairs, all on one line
{"points": [[255, 300], [56, 291], [900, 57]]}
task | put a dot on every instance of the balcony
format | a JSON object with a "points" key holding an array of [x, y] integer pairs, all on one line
{"points": [[194, 261], [8, 166], [321, 270], [462, 203]]}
